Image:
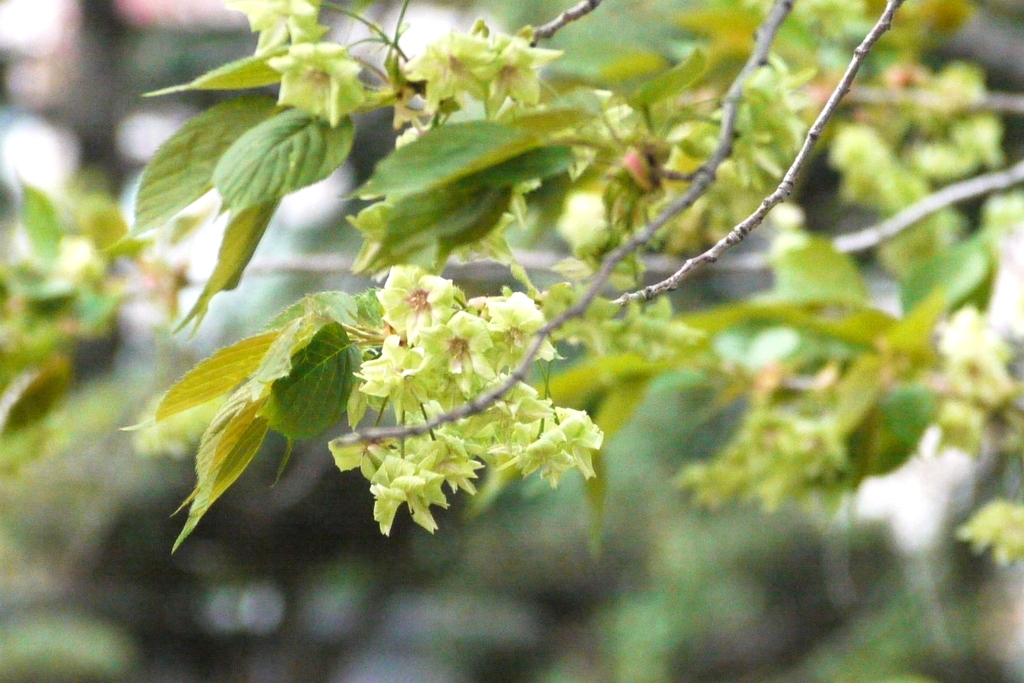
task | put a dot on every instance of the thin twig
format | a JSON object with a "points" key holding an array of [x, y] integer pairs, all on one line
{"points": [[785, 188], [702, 181], [660, 265], [871, 237], [1002, 103], [577, 11]]}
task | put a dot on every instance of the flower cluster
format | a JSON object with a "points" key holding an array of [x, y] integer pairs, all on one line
{"points": [[776, 457], [484, 66], [317, 77], [975, 373], [439, 352], [770, 129]]}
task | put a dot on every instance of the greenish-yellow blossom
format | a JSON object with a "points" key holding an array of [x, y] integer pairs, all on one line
{"points": [[546, 453], [413, 300], [583, 224], [461, 345], [518, 64], [395, 375], [514, 320], [347, 457], [582, 438], [486, 67], [455, 64], [447, 455], [399, 481], [776, 457], [281, 21], [321, 79]]}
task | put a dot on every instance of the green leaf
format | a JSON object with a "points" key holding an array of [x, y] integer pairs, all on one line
{"points": [[241, 74], [448, 153], [100, 218], [216, 376], [425, 228], [858, 392], [816, 273], [536, 164], [619, 404], [961, 270], [756, 350], [363, 309], [582, 383], [226, 450], [278, 361], [182, 169], [883, 427], [549, 123], [860, 328], [243, 235], [631, 64], [314, 395], [671, 83], [907, 411], [39, 218], [281, 155]]}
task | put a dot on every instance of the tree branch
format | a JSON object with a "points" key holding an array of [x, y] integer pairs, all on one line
{"points": [[871, 237], [785, 188], [703, 178], [577, 11], [332, 263], [1001, 103]]}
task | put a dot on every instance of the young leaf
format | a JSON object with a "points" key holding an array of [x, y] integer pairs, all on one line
{"points": [[281, 155], [243, 235], [216, 376], [241, 74], [226, 450], [39, 218], [672, 82], [313, 397]]}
